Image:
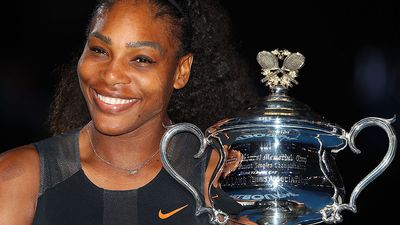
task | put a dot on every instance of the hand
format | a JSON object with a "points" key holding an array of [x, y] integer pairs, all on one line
{"points": [[233, 161], [240, 221]]}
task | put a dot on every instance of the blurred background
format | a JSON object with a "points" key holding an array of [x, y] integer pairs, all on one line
{"points": [[352, 71]]}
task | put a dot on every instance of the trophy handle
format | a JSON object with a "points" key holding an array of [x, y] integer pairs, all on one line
{"points": [[331, 213], [216, 216]]}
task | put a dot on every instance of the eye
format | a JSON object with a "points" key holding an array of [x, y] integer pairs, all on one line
{"points": [[143, 60], [98, 50]]}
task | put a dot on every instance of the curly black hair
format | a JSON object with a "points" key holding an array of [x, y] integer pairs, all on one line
{"points": [[218, 85]]}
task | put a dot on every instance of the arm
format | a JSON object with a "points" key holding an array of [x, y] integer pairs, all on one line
{"points": [[19, 185]]}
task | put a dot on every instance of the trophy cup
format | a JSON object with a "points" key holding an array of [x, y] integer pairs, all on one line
{"points": [[277, 158]]}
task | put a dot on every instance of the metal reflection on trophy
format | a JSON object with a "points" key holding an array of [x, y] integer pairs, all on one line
{"points": [[278, 156]]}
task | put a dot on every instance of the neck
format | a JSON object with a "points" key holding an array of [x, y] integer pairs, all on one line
{"points": [[130, 149]]}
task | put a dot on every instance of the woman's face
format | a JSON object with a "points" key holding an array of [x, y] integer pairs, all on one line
{"points": [[129, 69]]}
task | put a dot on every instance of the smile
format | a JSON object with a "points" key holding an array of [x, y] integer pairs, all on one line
{"points": [[113, 105], [114, 101]]}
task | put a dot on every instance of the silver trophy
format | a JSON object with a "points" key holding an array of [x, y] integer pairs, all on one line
{"points": [[277, 158]]}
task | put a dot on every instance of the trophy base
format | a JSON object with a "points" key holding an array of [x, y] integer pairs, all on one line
{"points": [[301, 207]]}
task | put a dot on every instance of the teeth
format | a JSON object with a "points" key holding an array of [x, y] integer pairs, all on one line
{"points": [[114, 101]]}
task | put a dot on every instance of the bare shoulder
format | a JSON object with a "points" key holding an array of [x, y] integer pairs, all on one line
{"points": [[19, 184], [19, 163]]}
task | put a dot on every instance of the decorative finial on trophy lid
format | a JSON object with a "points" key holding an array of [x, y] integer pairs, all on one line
{"points": [[280, 78]]}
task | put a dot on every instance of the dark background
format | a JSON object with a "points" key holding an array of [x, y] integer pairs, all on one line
{"points": [[352, 71]]}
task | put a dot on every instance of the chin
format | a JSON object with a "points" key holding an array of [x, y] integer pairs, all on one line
{"points": [[111, 127]]}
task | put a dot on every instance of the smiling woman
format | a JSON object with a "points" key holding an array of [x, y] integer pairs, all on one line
{"points": [[145, 63]]}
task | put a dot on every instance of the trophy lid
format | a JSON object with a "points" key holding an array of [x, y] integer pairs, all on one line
{"points": [[278, 108]]}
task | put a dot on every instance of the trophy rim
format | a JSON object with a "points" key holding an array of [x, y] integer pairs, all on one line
{"points": [[239, 123]]}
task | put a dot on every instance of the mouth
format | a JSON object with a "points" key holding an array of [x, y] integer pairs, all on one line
{"points": [[110, 104], [114, 101]]}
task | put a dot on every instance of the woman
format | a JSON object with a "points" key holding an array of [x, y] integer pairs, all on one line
{"points": [[104, 167]]}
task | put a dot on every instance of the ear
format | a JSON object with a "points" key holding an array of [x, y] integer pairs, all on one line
{"points": [[183, 71]]}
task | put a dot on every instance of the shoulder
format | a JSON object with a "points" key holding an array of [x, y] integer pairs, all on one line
{"points": [[19, 184], [19, 163]]}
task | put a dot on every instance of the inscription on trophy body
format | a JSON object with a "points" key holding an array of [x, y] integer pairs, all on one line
{"points": [[279, 169]]}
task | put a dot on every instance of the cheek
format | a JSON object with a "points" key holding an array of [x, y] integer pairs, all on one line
{"points": [[165, 85], [86, 71], [156, 87], [151, 86]]}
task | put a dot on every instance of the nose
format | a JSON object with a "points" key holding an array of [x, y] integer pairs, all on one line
{"points": [[114, 73]]}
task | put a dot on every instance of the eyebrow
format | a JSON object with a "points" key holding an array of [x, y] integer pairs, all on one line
{"points": [[140, 44], [102, 37], [132, 44]]}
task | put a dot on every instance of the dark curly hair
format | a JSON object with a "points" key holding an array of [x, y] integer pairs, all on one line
{"points": [[218, 83]]}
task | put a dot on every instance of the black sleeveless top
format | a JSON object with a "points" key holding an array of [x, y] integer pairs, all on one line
{"points": [[68, 197]]}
